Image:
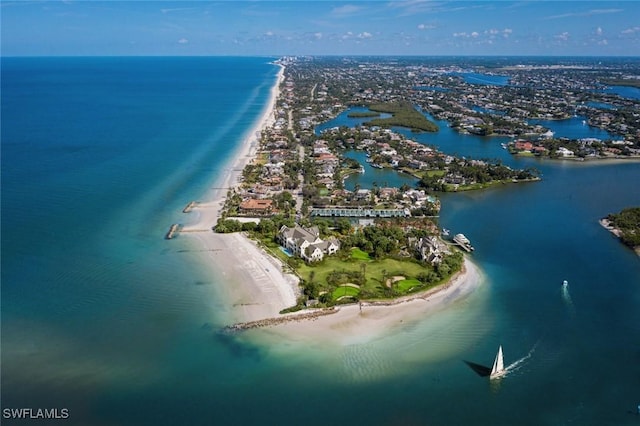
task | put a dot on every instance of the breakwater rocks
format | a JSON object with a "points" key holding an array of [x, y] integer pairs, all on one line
{"points": [[267, 322], [189, 207], [173, 230]]}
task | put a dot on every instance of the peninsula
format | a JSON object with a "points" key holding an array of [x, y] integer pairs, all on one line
{"points": [[315, 245], [626, 226]]}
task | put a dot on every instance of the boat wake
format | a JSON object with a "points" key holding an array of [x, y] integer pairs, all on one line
{"points": [[498, 372], [566, 297], [518, 364]]}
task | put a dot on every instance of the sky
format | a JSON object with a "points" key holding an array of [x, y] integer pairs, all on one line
{"points": [[277, 28]]}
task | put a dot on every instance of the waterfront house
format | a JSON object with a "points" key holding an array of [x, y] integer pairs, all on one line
{"points": [[259, 207], [429, 250], [306, 242], [523, 146], [564, 152]]}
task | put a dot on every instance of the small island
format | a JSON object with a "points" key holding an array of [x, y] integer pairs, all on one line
{"points": [[626, 226], [403, 114]]}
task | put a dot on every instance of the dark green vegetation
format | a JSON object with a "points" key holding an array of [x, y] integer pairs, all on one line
{"points": [[469, 176], [363, 114], [623, 82], [403, 115], [375, 262], [628, 222], [348, 277]]}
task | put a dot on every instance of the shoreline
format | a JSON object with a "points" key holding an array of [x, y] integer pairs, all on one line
{"points": [[348, 324], [606, 224], [247, 270], [467, 276], [256, 288], [208, 212]]}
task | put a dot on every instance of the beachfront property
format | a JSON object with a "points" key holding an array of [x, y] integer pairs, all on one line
{"points": [[306, 242], [564, 152], [259, 207], [431, 249]]}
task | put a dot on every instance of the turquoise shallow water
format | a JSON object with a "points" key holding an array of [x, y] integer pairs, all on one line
{"points": [[102, 316]]}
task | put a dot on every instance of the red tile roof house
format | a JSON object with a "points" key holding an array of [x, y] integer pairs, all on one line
{"points": [[523, 146], [260, 207]]}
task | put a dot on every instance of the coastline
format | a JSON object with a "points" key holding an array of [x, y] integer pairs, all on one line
{"points": [[606, 224], [256, 288], [207, 213], [351, 324]]}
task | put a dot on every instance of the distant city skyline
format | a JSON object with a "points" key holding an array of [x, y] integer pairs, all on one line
{"points": [[276, 28]]}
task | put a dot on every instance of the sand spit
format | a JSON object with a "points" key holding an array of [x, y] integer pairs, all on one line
{"points": [[369, 319]]}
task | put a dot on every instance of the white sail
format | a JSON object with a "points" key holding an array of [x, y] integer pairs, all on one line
{"points": [[498, 364]]}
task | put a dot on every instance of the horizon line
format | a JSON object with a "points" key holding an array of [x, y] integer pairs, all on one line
{"points": [[331, 55]]}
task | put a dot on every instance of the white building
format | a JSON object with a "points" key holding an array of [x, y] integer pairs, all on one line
{"points": [[564, 152], [306, 242]]}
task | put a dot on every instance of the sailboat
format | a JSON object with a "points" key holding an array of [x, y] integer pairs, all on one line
{"points": [[498, 365]]}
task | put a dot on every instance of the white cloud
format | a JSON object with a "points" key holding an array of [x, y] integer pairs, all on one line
{"points": [[474, 34], [493, 33], [426, 27], [318, 35], [587, 13], [631, 30], [412, 7], [603, 42], [599, 31], [183, 41], [176, 9], [365, 35], [269, 34], [346, 10], [563, 37]]}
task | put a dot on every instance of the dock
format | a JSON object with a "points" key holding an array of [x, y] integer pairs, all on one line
{"points": [[267, 322], [173, 230], [189, 207], [463, 242]]}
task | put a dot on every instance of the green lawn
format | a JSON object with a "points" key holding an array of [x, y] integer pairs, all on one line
{"points": [[373, 272], [345, 291], [358, 254], [406, 285], [438, 173]]}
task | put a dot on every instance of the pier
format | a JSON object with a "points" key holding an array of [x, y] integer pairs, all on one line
{"points": [[189, 207], [173, 230], [277, 320], [463, 242]]}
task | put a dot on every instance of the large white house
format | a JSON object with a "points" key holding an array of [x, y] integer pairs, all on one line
{"points": [[565, 152], [306, 242]]}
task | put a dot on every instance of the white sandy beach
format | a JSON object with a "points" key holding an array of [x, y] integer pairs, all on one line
{"points": [[207, 213], [256, 287], [352, 324]]}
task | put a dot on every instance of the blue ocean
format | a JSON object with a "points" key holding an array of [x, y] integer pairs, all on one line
{"points": [[103, 317]]}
